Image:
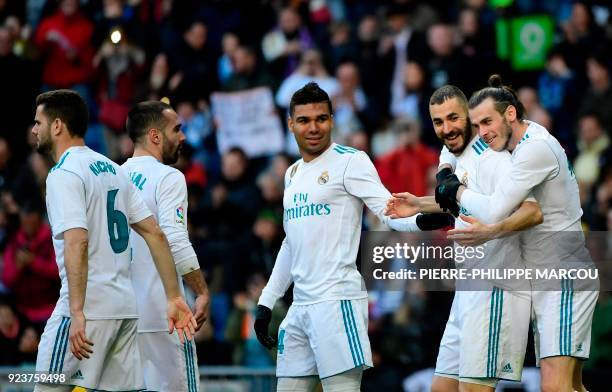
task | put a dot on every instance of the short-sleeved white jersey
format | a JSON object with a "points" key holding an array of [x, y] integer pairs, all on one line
{"points": [[323, 208], [541, 168], [164, 191], [87, 190]]}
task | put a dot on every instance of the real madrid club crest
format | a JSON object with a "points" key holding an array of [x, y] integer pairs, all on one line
{"points": [[464, 179], [293, 171], [323, 178]]}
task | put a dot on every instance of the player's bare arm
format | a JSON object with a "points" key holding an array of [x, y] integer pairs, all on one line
{"points": [[75, 259], [405, 204], [525, 217], [179, 314], [196, 282]]}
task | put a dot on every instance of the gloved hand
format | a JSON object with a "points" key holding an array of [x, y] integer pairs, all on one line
{"points": [[446, 191], [263, 316], [434, 221]]}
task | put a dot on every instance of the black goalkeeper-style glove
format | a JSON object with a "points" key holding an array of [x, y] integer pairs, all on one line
{"points": [[263, 316], [446, 192], [434, 221]]}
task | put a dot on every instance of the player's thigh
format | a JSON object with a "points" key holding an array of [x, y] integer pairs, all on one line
{"points": [[447, 363], [477, 385], [444, 383], [295, 357], [53, 388], [494, 332], [168, 364], [297, 384], [338, 333], [562, 321], [348, 381]]}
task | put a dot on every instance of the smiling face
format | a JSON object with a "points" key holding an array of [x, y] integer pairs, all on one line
{"points": [[452, 125], [491, 125], [311, 124]]}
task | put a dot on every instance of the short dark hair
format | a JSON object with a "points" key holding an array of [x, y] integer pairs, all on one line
{"points": [[446, 92], [68, 106], [503, 96], [145, 115], [310, 93]]}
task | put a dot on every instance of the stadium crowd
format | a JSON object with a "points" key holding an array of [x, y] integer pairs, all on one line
{"points": [[378, 60]]}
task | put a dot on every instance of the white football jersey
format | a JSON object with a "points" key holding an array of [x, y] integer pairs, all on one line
{"points": [[164, 191], [323, 203], [482, 170], [87, 190]]}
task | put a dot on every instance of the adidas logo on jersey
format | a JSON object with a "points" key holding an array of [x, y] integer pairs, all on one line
{"points": [[579, 347], [77, 375], [507, 369]]}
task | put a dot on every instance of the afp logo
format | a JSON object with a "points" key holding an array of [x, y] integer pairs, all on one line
{"points": [[323, 178]]}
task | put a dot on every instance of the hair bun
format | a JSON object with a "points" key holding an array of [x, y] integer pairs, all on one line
{"points": [[495, 81]]}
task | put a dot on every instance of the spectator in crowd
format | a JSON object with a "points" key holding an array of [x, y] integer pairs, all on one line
{"points": [[400, 44], [118, 64], [476, 43], [558, 91], [64, 39], [247, 73], [342, 46], [283, 45], [349, 102], [598, 96], [30, 271], [447, 63], [581, 34], [230, 208], [368, 33], [17, 76], [18, 339], [159, 79], [592, 142], [311, 69], [194, 61], [229, 43], [411, 165], [196, 122], [529, 98], [248, 352], [413, 102]]}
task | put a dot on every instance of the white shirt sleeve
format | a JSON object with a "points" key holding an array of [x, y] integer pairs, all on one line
{"points": [[66, 202], [280, 279], [171, 200], [534, 163], [361, 180], [447, 157]]}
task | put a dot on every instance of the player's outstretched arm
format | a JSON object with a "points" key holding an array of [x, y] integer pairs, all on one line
{"points": [[179, 314], [405, 204], [525, 217], [75, 260]]}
